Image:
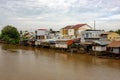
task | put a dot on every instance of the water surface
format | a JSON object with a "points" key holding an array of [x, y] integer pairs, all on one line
{"points": [[26, 63]]}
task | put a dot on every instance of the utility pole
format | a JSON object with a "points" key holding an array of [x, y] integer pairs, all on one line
{"points": [[94, 24]]}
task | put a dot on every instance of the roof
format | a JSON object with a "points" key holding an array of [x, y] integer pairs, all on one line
{"points": [[86, 43], [74, 26], [42, 29], [114, 44], [78, 26], [68, 27], [102, 42]]}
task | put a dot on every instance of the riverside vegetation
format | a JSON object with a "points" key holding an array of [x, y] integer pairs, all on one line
{"points": [[10, 35]]}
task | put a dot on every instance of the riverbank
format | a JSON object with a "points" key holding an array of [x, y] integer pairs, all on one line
{"points": [[104, 55]]}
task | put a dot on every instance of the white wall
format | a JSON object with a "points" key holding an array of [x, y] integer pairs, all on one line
{"points": [[71, 31], [99, 48], [92, 34], [41, 32], [116, 50], [83, 28], [61, 45]]}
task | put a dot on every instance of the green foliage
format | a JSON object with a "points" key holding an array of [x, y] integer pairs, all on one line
{"points": [[118, 31], [10, 34], [111, 31]]}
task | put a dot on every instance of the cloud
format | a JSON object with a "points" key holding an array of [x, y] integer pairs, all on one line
{"points": [[113, 17], [57, 12]]}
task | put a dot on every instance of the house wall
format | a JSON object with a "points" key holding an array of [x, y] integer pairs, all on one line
{"points": [[64, 33], [41, 32], [81, 29], [92, 34], [113, 36], [116, 50], [41, 37], [37, 43], [98, 48], [71, 32], [58, 45]]}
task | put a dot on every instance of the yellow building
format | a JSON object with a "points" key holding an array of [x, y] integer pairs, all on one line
{"points": [[64, 31], [112, 36], [73, 31]]}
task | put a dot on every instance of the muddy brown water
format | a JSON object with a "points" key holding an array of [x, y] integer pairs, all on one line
{"points": [[26, 63]]}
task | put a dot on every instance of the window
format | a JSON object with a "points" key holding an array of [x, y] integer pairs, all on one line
{"points": [[86, 35]]}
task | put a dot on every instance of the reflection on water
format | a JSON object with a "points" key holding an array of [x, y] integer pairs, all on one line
{"points": [[26, 63]]}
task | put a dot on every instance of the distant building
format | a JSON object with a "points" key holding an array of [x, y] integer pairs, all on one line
{"points": [[53, 35], [104, 36], [74, 31], [41, 34], [112, 36], [91, 35], [67, 31]]}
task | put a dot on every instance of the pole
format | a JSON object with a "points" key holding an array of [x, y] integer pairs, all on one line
{"points": [[94, 24]]}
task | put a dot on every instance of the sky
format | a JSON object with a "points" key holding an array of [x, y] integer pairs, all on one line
{"points": [[56, 14]]}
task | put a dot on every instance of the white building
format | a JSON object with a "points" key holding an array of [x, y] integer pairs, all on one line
{"points": [[100, 45], [41, 34], [90, 35], [74, 31]]}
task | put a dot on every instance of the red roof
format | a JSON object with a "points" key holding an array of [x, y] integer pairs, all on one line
{"points": [[74, 26], [78, 26], [68, 27], [114, 44]]}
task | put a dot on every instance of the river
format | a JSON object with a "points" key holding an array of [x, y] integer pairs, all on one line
{"points": [[27, 63]]}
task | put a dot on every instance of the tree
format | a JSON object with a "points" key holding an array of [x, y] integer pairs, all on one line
{"points": [[10, 34], [111, 31], [51, 29], [118, 31]]}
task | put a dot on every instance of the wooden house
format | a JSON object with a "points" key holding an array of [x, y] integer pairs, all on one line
{"points": [[114, 47], [63, 43]]}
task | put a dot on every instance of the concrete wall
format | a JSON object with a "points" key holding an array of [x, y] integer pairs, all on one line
{"points": [[92, 34], [99, 48], [116, 50], [71, 32], [41, 32], [61, 45]]}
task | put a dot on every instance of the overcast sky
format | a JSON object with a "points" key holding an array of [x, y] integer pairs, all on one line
{"points": [[55, 14]]}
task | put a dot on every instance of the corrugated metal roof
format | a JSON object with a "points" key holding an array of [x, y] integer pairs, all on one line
{"points": [[102, 42]]}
